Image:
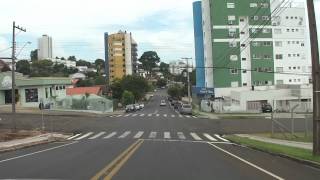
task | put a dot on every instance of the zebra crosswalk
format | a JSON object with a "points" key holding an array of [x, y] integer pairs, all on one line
{"points": [[153, 115], [166, 135]]}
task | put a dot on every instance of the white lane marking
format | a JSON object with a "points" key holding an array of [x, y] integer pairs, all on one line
{"points": [[180, 115], [37, 152], [167, 135], [84, 136], [195, 136], [247, 162], [111, 116], [73, 136], [141, 115], [127, 115], [195, 117], [267, 117], [119, 115], [153, 135], [165, 115], [181, 135], [221, 138], [110, 135], [138, 135], [173, 115], [97, 135], [133, 115], [209, 137], [158, 115], [187, 116], [125, 134], [149, 115]]}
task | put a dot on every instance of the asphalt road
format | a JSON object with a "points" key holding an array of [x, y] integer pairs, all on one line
{"points": [[159, 144]]}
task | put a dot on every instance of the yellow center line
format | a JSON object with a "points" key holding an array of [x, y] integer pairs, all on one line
{"points": [[112, 168]]}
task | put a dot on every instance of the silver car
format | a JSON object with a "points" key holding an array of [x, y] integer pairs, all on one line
{"points": [[186, 109]]}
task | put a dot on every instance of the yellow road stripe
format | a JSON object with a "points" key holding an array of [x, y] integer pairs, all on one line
{"points": [[111, 169]]}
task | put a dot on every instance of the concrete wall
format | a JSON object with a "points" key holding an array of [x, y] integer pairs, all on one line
{"points": [[2, 98]]}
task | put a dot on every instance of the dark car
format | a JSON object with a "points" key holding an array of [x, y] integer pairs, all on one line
{"points": [[177, 105], [266, 108]]}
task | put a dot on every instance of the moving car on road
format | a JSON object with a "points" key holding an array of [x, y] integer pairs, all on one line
{"points": [[163, 103], [186, 109], [141, 106]]}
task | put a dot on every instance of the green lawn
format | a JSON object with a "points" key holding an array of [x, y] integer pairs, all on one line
{"points": [[300, 137], [275, 148]]}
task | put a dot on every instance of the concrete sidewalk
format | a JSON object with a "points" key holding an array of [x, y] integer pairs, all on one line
{"points": [[30, 141], [295, 144]]}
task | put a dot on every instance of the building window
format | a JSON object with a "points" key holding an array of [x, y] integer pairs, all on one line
{"points": [[46, 90], [256, 18], [232, 44], [253, 5], [264, 5], [233, 57], [31, 95], [267, 43], [244, 71], [230, 5], [266, 31], [232, 32], [278, 43], [244, 84], [279, 56], [231, 18], [244, 59], [265, 18], [255, 44], [279, 69], [267, 56], [279, 81], [289, 55]]}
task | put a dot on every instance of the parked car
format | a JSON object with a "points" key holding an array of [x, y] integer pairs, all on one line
{"points": [[130, 108], [177, 105], [169, 98], [141, 106], [173, 102], [137, 106], [163, 103], [186, 109], [266, 108]]}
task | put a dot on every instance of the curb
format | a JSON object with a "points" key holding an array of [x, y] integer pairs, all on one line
{"points": [[302, 161], [70, 115]]}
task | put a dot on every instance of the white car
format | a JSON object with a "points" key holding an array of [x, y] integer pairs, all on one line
{"points": [[141, 106], [163, 103]]}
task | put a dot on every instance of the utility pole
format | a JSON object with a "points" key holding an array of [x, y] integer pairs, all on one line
{"points": [[13, 57], [188, 79], [315, 77]]}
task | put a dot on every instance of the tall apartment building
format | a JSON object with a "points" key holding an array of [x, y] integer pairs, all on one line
{"points": [[45, 47], [121, 55], [258, 43]]}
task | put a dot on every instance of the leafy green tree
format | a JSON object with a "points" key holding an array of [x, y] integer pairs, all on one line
{"points": [[175, 91], [161, 82], [100, 80], [127, 98], [5, 67], [83, 63], [72, 58], [62, 58], [149, 60], [193, 77], [99, 65], [43, 68], [164, 69], [85, 83], [34, 55], [23, 67], [116, 89], [135, 84]]}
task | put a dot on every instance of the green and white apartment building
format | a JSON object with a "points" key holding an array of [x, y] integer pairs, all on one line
{"points": [[256, 51]]}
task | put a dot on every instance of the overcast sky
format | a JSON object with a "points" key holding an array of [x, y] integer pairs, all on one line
{"points": [[77, 26]]}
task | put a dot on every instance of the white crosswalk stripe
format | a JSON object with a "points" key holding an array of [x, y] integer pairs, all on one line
{"points": [[181, 135], [138, 135], [133, 115], [165, 115], [127, 115], [209, 137], [149, 115], [141, 115], [158, 115], [187, 116], [74, 136], [180, 116], [221, 138], [84, 136], [173, 115], [194, 116], [97, 135], [195, 136], [110, 135], [153, 135], [167, 135], [125, 134], [119, 115]]}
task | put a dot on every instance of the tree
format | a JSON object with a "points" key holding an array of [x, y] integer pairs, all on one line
{"points": [[135, 84], [100, 80], [161, 82], [127, 98], [72, 58], [41, 68], [164, 69], [23, 67], [62, 58], [83, 63], [149, 60], [175, 91], [5, 68], [193, 77], [116, 89], [34, 55], [99, 64], [85, 83]]}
